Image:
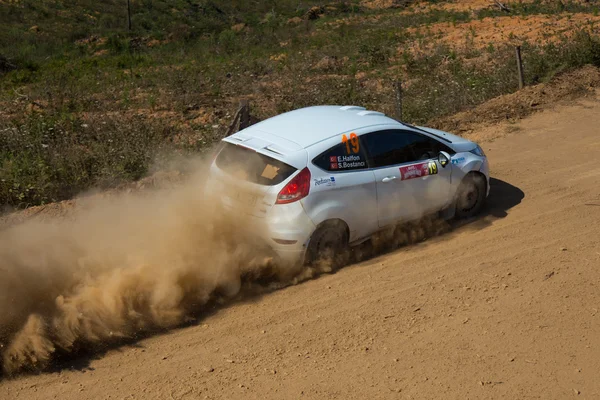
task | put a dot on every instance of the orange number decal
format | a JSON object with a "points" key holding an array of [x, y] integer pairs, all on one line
{"points": [[353, 141], [345, 140]]}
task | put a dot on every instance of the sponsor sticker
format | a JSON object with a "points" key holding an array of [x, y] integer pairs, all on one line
{"points": [[458, 160], [418, 170], [325, 181]]}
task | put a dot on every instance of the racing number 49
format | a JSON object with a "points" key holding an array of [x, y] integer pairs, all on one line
{"points": [[352, 144]]}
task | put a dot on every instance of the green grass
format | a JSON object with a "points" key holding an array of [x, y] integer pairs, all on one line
{"points": [[98, 113], [45, 158]]}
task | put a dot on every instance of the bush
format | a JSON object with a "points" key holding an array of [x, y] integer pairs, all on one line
{"points": [[47, 158]]}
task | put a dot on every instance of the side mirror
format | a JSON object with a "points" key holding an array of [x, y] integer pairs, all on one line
{"points": [[444, 159]]}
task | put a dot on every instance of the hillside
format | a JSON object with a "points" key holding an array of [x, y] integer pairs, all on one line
{"points": [[86, 102]]}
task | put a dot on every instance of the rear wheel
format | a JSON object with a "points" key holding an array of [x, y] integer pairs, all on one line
{"points": [[470, 196], [328, 245]]}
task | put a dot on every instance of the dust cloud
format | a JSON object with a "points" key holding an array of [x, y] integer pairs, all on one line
{"points": [[122, 266], [126, 265]]}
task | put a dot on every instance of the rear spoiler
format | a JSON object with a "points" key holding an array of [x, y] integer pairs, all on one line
{"points": [[296, 157]]}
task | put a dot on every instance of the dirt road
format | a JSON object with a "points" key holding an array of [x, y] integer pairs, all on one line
{"points": [[507, 306]]}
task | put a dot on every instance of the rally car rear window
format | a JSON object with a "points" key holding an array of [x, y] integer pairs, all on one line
{"points": [[251, 166]]}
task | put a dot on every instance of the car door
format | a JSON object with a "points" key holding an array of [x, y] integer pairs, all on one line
{"points": [[343, 187], [437, 183], [410, 182]]}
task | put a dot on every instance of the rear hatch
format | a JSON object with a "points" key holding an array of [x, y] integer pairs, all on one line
{"points": [[248, 173]]}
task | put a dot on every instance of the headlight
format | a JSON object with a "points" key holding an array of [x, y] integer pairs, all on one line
{"points": [[478, 151]]}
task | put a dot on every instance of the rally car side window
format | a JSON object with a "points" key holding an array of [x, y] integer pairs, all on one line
{"points": [[393, 147], [343, 156], [425, 147], [389, 147]]}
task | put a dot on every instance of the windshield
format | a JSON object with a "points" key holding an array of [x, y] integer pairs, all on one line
{"points": [[251, 166]]}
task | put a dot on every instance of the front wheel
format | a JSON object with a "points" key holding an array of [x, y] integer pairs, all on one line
{"points": [[470, 196]]}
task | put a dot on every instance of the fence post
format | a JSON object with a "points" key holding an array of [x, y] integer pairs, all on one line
{"points": [[245, 114], [398, 92], [520, 67], [128, 15]]}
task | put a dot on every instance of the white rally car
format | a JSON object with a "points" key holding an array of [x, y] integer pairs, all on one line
{"points": [[319, 179]]}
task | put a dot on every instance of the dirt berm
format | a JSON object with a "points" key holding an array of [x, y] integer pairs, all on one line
{"points": [[505, 307]]}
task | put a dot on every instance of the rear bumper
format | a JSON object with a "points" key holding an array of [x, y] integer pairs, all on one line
{"points": [[289, 258], [286, 230]]}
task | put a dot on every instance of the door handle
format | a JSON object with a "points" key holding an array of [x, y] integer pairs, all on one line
{"points": [[388, 179]]}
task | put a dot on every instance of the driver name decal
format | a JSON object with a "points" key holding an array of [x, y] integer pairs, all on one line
{"points": [[345, 162], [418, 170]]}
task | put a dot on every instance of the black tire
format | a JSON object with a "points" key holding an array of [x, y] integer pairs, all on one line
{"points": [[328, 245], [470, 196]]}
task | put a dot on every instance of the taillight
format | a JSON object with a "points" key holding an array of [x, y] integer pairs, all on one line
{"points": [[296, 189]]}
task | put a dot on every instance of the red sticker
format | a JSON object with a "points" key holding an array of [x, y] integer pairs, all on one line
{"points": [[333, 159], [334, 165], [414, 171]]}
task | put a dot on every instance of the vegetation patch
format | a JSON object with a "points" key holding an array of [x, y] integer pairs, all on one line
{"points": [[86, 102]]}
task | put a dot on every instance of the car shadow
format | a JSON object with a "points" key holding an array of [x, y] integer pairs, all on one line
{"points": [[503, 197]]}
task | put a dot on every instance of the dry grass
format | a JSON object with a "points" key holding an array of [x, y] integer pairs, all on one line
{"points": [[172, 84]]}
